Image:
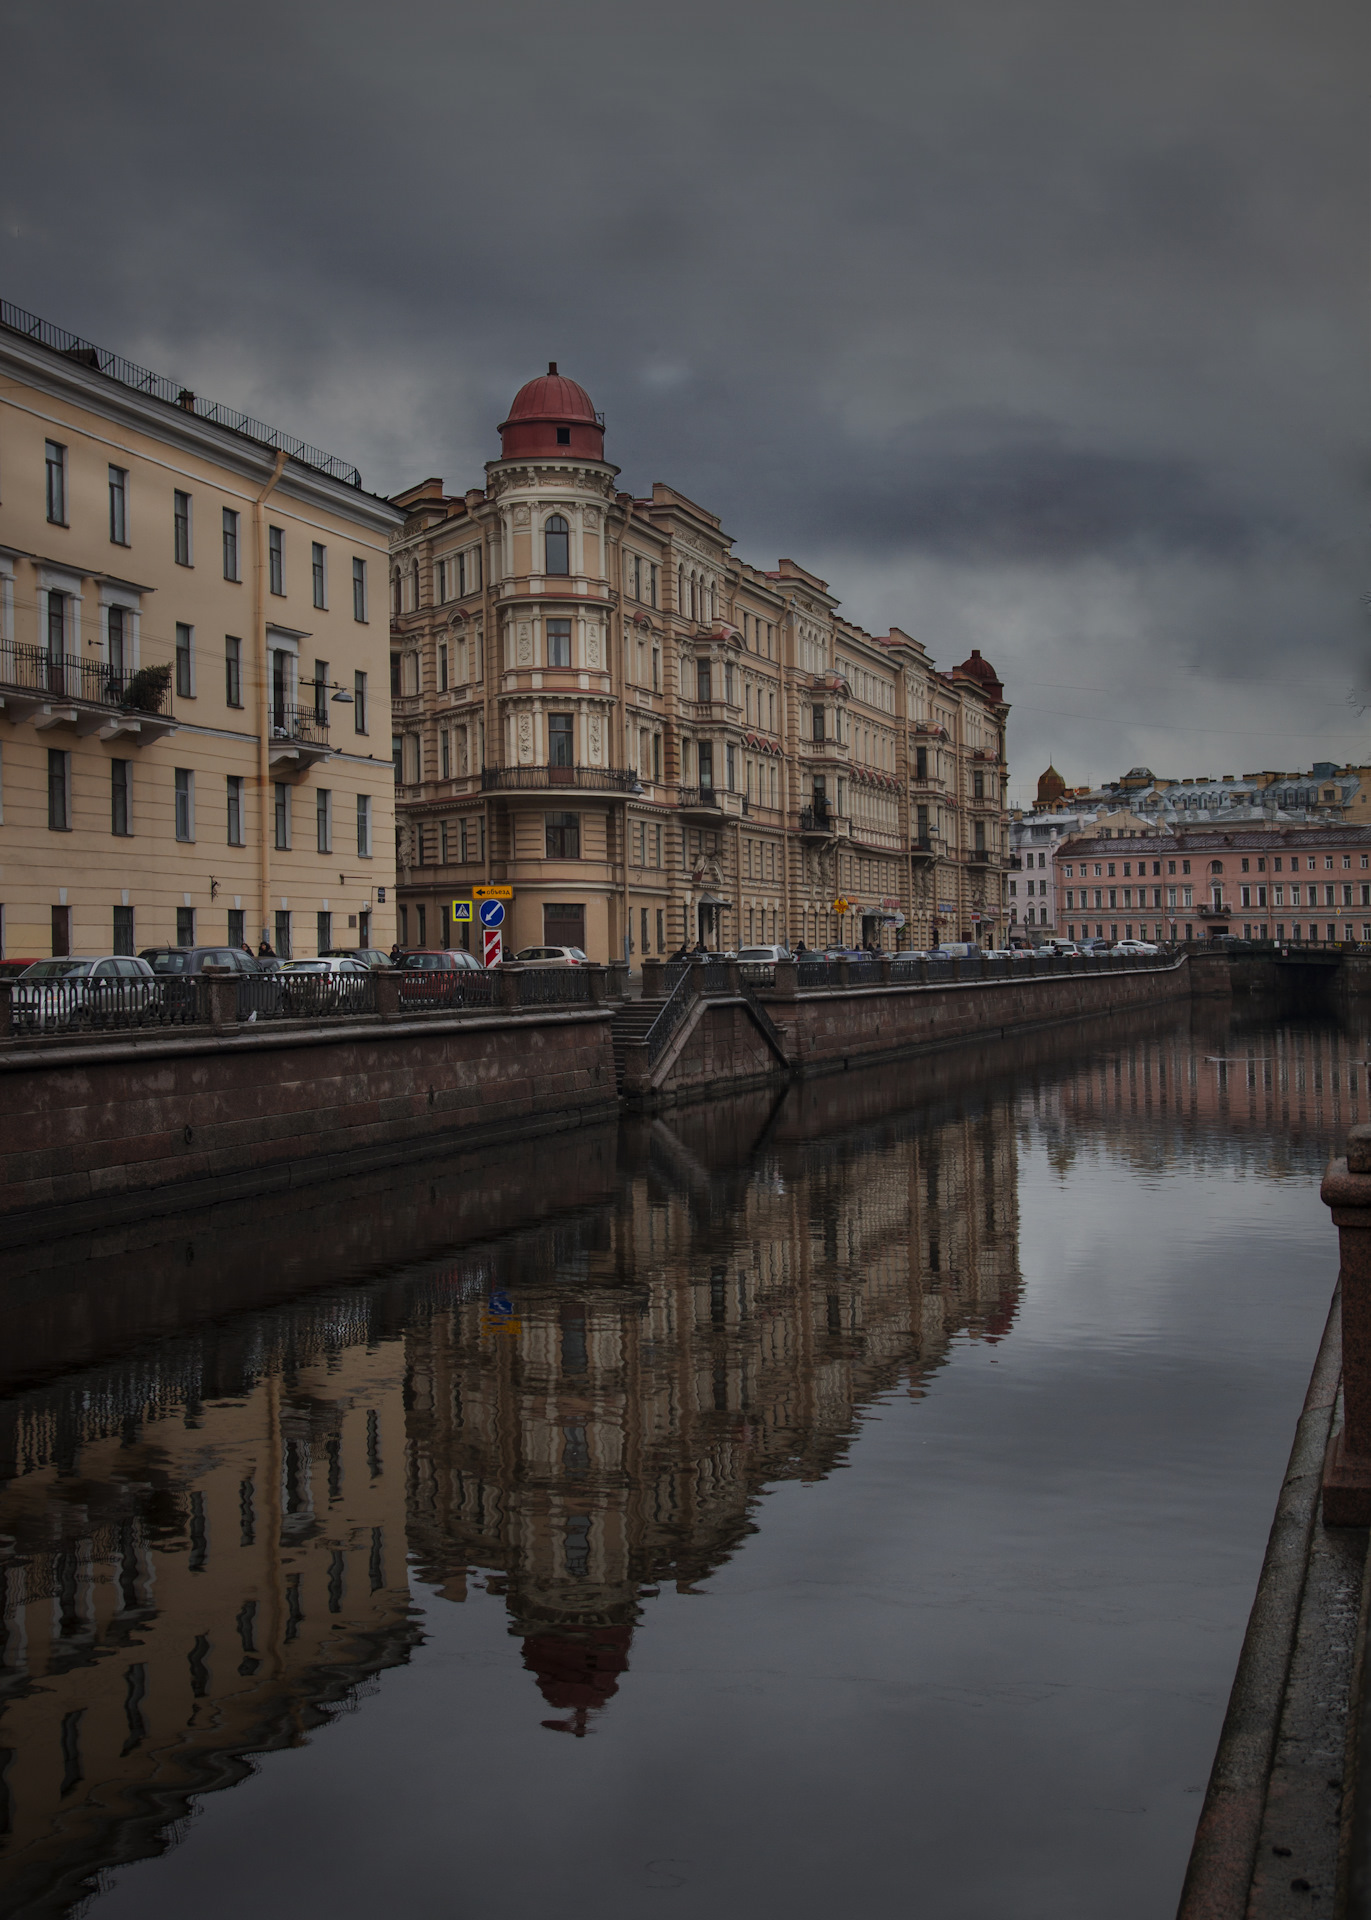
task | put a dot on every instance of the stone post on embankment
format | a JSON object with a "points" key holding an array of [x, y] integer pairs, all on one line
{"points": [[1347, 1468]]}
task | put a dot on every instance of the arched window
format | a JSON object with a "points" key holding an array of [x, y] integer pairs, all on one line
{"points": [[414, 586], [1216, 866], [694, 599], [680, 590], [557, 545], [395, 591]]}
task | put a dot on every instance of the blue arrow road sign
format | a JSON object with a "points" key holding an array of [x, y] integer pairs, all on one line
{"points": [[492, 913]]}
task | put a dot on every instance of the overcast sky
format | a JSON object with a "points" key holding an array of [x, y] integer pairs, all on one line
{"points": [[1032, 325]]}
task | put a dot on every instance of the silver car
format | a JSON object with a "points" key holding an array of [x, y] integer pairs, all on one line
{"points": [[73, 992]]}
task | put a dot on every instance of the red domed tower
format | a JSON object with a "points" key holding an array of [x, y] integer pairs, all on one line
{"points": [[982, 673], [552, 415]]}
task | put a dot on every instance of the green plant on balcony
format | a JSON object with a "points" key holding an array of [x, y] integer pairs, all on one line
{"points": [[147, 689]]}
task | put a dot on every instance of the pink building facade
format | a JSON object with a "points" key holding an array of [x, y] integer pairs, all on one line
{"points": [[1285, 883]]}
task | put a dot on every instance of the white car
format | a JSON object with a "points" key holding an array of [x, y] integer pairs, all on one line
{"points": [[763, 956], [1135, 946], [551, 957], [329, 963], [71, 991]]}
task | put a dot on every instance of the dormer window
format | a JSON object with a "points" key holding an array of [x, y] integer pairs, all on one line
{"points": [[564, 436], [557, 545]]}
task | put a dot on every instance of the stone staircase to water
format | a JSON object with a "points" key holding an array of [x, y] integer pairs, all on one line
{"points": [[631, 1022]]}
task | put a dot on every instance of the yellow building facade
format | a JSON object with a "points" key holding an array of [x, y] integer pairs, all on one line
{"points": [[650, 741], [194, 697]]}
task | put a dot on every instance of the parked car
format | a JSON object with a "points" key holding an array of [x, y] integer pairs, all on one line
{"points": [[764, 956], [954, 950], [439, 960], [333, 963], [1135, 946], [314, 986], [73, 991], [550, 957], [1093, 946], [11, 969], [173, 960], [369, 956]]}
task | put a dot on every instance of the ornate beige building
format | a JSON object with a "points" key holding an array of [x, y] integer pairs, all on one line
{"points": [[598, 704]]}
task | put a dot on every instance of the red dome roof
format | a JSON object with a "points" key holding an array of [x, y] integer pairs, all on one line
{"points": [[552, 414], [981, 670]]}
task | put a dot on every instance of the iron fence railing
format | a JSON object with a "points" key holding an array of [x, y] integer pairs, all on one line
{"points": [[674, 1009], [129, 374], [69, 677], [554, 987], [757, 973], [422, 991], [765, 1021], [82, 1006], [538, 779], [291, 722], [307, 996], [710, 797]]}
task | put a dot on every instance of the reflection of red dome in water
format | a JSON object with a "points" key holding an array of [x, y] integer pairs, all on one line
{"points": [[578, 1670]]}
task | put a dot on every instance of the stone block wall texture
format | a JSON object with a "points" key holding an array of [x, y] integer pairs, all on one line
{"points": [[827, 1029], [103, 1122]]}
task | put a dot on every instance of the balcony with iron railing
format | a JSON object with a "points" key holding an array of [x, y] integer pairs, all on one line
{"points": [[713, 802], [547, 779], [822, 822], [298, 737], [64, 690]]}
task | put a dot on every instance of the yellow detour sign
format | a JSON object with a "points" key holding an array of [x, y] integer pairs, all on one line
{"points": [[492, 893], [842, 906], [461, 910]]}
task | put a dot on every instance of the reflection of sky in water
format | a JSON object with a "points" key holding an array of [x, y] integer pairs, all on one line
{"points": [[1009, 1502]]}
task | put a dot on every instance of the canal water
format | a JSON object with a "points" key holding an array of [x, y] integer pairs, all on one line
{"points": [[845, 1503]]}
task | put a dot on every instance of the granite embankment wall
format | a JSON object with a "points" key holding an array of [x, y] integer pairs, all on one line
{"points": [[110, 1127], [115, 1127], [827, 1031]]}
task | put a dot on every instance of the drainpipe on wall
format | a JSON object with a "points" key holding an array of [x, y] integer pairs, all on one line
{"points": [[626, 907], [786, 621], [259, 625]]}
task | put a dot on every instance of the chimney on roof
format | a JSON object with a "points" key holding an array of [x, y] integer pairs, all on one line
{"points": [[552, 366], [185, 398]]}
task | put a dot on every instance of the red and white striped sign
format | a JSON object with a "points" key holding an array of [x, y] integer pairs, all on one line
{"points": [[492, 943]]}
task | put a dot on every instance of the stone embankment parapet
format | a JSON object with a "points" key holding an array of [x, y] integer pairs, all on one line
{"points": [[118, 1119]]}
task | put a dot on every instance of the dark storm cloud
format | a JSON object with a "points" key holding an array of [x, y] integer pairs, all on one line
{"points": [[987, 491], [1016, 292]]}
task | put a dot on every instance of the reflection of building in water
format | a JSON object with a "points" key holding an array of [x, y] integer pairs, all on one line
{"points": [[725, 1331], [187, 1580], [203, 1550], [1273, 1096]]}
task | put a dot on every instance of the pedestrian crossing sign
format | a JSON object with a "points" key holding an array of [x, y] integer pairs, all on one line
{"points": [[461, 910]]}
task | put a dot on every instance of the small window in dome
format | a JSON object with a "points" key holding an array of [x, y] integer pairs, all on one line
{"points": [[564, 436]]}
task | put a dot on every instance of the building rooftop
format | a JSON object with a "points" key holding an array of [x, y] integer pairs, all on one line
{"points": [[140, 380]]}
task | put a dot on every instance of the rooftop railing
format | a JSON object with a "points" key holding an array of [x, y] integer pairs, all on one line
{"points": [[142, 380]]}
